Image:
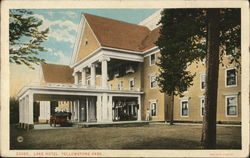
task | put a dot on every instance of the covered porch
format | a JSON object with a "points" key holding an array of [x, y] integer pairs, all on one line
{"points": [[85, 105]]}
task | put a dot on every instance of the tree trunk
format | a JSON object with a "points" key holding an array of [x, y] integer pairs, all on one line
{"points": [[209, 121], [172, 110]]}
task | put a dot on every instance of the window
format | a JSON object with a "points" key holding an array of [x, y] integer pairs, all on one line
{"points": [[184, 108], [152, 59], [131, 84], [120, 85], [202, 103], [85, 42], [231, 79], [152, 81], [153, 107], [88, 81], [110, 86], [231, 105], [203, 81]]}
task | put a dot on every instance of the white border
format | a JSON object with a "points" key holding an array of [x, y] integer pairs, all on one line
{"points": [[244, 5]]}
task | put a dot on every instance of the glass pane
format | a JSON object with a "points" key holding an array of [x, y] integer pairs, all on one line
{"points": [[231, 77]]}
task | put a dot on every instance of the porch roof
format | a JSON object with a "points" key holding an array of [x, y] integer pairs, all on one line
{"points": [[73, 91]]}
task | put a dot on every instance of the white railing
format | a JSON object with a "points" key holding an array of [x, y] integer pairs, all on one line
{"points": [[61, 85]]}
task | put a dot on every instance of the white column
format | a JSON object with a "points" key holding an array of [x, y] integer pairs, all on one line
{"points": [[92, 75], [30, 106], [99, 109], [75, 110], [20, 110], [26, 110], [84, 77], [78, 110], [105, 72], [110, 100], [104, 106], [47, 110], [42, 109], [76, 77], [87, 109], [139, 110]]}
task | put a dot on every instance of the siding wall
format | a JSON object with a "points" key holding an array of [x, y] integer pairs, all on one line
{"points": [[194, 93]]}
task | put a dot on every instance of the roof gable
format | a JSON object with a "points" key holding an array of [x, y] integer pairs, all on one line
{"points": [[53, 73], [88, 43], [117, 34]]}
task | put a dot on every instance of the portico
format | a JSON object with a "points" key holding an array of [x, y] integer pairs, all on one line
{"points": [[86, 105]]}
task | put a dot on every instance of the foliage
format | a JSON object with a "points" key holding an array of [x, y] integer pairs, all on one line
{"points": [[25, 38], [182, 41], [14, 110]]}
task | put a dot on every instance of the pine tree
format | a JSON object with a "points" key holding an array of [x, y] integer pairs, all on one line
{"points": [[25, 38]]}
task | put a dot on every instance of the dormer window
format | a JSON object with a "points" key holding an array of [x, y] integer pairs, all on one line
{"points": [[85, 42]]}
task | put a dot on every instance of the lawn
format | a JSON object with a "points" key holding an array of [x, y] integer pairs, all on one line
{"points": [[144, 137]]}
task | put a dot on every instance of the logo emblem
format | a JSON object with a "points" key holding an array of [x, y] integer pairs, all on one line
{"points": [[20, 139]]}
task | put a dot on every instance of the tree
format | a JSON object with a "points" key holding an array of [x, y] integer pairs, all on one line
{"points": [[25, 38], [190, 35]]}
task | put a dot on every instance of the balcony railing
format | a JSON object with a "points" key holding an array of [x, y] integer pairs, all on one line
{"points": [[61, 85]]}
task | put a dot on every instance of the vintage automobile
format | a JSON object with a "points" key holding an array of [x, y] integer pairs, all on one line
{"points": [[62, 118]]}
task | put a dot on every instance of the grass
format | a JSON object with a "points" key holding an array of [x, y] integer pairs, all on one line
{"points": [[145, 137]]}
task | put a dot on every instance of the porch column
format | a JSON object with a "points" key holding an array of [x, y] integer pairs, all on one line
{"points": [[105, 72], [30, 107], [139, 109], [84, 77], [110, 105], [75, 111], [78, 110], [99, 109], [104, 106], [42, 111], [76, 77], [20, 110], [87, 109], [92, 75], [47, 110], [26, 110]]}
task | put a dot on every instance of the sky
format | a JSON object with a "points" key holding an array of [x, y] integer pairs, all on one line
{"points": [[63, 24]]}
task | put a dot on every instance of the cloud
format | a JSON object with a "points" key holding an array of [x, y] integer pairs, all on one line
{"points": [[62, 31], [71, 14], [62, 58]]}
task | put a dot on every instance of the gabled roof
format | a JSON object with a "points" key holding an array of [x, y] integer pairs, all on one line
{"points": [[150, 39], [118, 34], [53, 73]]}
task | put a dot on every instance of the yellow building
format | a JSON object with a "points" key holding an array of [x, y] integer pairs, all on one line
{"points": [[112, 77]]}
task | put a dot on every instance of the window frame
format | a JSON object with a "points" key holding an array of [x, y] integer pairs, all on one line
{"points": [[130, 88], [150, 59], [236, 106], [151, 103], [202, 74], [181, 101], [202, 98], [151, 81], [235, 77], [120, 85]]}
